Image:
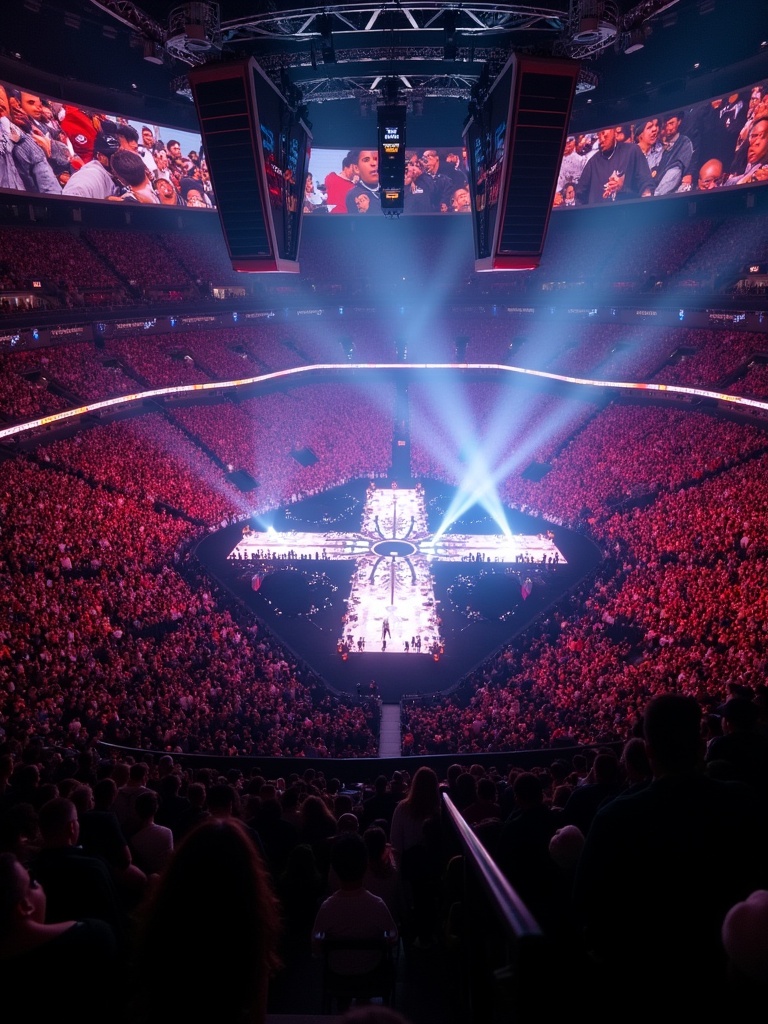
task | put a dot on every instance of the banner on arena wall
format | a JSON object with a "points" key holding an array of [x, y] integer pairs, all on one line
{"points": [[75, 333]]}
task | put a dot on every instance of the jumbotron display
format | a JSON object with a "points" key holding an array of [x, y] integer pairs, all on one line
{"points": [[50, 147], [54, 148], [720, 143], [347, 181]]}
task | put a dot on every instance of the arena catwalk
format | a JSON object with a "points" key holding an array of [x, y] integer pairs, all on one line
{"points": [[366, 582]]}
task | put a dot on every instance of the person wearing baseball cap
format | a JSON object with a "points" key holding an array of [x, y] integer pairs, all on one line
{"points": [[93, 180]]}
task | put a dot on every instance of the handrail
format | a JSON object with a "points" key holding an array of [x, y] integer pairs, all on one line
{"points": [[513, 912]]}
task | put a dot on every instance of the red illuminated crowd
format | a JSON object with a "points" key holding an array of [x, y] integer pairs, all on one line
{"points": [[95, 612], [95, 596], [93, 267], [149, 820]]}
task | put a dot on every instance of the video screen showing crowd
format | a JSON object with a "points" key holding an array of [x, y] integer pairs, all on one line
{"points": [[720, 143], [49, 147], [347, 183], [52, 148]]}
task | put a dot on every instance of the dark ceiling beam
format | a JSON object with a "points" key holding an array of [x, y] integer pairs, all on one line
{"points": [[133, 17], [421, 16]]}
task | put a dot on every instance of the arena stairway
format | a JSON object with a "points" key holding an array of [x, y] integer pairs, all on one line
{"points": [[389, 731]]}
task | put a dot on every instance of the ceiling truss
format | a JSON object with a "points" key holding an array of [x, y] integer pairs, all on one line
{"points": [[422, 16], [376, 32]]}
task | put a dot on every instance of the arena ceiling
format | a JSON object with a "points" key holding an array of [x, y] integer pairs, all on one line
{"points": [[635, 56]]}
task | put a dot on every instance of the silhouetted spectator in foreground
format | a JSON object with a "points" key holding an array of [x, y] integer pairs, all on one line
{"points": [[661, 867], [745, 939], [352, 912], [77, 886], [39, 961], [214, 901]]}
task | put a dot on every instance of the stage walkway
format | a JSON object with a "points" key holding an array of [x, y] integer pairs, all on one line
{"points": [[314, 604], [389, 735]]}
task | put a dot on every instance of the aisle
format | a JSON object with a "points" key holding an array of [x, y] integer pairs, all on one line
{"points": [[389, 736]]}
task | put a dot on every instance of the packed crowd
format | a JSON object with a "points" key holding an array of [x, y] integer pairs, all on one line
{"points": [[95, 613], [159, 363], [22, 398], [86, 372], [111, 863], [438, 441], [736, 242], [222, 354], [642, 450], [87, 550], [706, 357], [262, 435], [205, 260], [753, 383], [35, 382], [146, 264], [83, 373], [677, 603], [164, 466], [93, 266], [58, 256], [632, 450]]}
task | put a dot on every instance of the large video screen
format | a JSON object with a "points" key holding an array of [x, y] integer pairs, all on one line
{"points": [[49, 147], [346, 182], [486, 137], [721, 143], [285, 145]]}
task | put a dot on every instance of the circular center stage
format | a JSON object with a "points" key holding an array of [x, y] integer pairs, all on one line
{"points": [[387, 584], [394, 549]]}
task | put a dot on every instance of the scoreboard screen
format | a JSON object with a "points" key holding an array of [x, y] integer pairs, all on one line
{"points": [[514, 138], [392, 159], [257, 147], [485, 140]]}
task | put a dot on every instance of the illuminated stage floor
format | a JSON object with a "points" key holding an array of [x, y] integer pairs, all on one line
{"points": [[392, 595], [368, 564]]}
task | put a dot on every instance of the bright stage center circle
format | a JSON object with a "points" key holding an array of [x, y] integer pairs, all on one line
{"points": [[394, 549]]}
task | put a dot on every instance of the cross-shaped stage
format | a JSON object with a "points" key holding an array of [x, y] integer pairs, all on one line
{"points": [[392, 597]]}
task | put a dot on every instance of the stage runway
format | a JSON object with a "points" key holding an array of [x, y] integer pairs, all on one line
{"points": [[349, 578]]}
